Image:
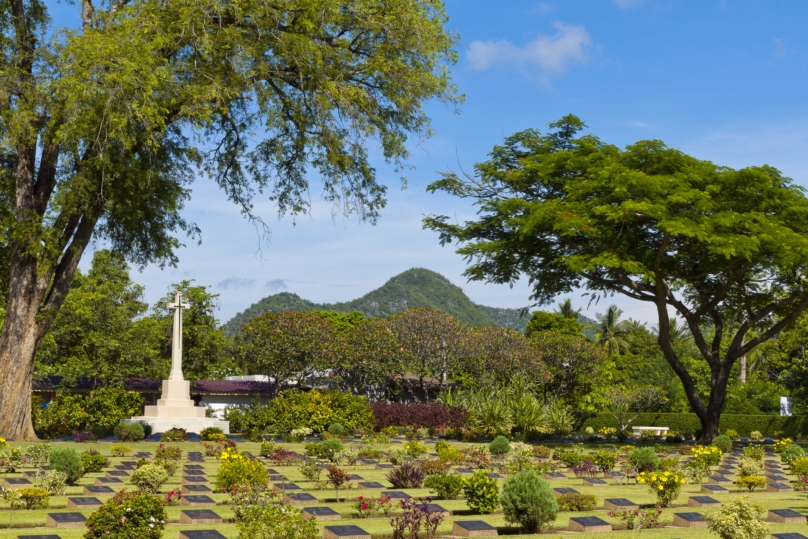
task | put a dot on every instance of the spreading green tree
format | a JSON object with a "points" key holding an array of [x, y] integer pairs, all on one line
{"points": [[105, 125], [493, 355], [713, 244], [558, 323]]}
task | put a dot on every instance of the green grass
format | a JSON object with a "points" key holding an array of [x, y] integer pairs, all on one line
{"points": [[24, 522]]}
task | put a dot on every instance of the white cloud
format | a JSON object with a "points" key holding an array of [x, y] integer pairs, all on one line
{"points": [[781, 50], [628, 4], [550, 53], [542, 8], [236, 282], [276, 284]]}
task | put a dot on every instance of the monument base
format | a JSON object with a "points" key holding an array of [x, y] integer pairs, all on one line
{"points": [[190, 424]]}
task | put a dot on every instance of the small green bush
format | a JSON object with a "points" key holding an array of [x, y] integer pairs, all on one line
{"points": [[753, 452], [723, 442], [791, 453], [732, 434], [668, 464], [575, 501], [128, 515], [93, 461], [240, 471], [53, 481], [441, 444], [482, 492], [748, 467], [174, 435], [499, 446], [67, 460], [273, 520], [120, 450], [739, 519], [34, 498], [149, 478], [542, 451], [450, 455], [129, 432], [336, 429], [645, 459], [605, 460], [527, 500], [168, 452], [211, 434], [445, 486], [329, 449], [751, 482]]}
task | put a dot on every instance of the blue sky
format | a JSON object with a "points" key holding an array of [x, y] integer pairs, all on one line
{"points": [[722, 80]]}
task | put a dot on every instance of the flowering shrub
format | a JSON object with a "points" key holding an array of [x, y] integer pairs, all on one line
{"points": [[782, 444], [37, 455], [641, 519], [708, 455], [3, 442], [791, 453], [173, 497], [605, 460], [169, 452], [53, 481], [236, 469], [747, 467], [753, 452], [607, 431], [34, 498], [751, 482], [755, 436], [695, 471], [415, 518], [268, 448], [311, 470], [430, 415], [284, 457], [276, 521], [739, 519], [149, 478], [666, 485], [414, 448], [120, 450], [174, 435], [11, 460], [93, 461], [476, 458], [586, 468], [371, 507], [128, 515]]}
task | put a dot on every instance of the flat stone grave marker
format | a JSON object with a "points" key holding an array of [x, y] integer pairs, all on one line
{"points": [[187, 467], [194, 479], [494, 475], [356, 477], [435, 508], [560, 491], [199, 516], [300, 498], [106, 481], [778, 487], [464, 471], [286, 486], [43, 536], [65, 520], [201, 534], [369, 485], [473, 528], [384, 466], [277, 477], [188, 472], [29, 475], [344, 532], [195, 454], [122, 468], [689, 520], [616, 475], [320, 513], [589, 524], [194, 489], [793, 535], [595, 482], [396, 495], [84, 503], [785, 516], [713, 489], [45, 468], [197, 500], [143, 455], [717, 480], [775, 478], [555, 475], [272, 471], [619, 504], [16, 482], [703, 501], [367, 462], [95, 490], [117, 473]]}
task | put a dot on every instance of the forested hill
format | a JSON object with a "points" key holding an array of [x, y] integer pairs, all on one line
{"points": [[413, 288]]}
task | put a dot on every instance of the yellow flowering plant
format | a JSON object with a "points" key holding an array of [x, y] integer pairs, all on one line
{"points": [[666, 485], [3, 442], [414, 448], [707, 455], [782, 444], [236, 470]]}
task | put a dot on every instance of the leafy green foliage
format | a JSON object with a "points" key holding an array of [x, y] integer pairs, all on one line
{"points": [[93, 461], [527, 500], [312, 409], [645, 459], [482, 492], [575, 501], [100, 411], [739, 519], [149, 478], [407, 475], [445, 486], [337, 429], [276, 521], [34, 498], [499, 446], [751, 482], [127, 515], [791, 453], [723, 442], [67, 460], [544, 321], [211, 434], [129, 432]]}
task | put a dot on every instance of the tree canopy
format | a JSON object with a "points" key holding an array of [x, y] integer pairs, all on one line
{"points": [[725, 249]]}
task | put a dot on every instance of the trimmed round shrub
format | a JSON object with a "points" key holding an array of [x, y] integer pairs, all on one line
{"points": [[67, 460], [645, 459], [499, 446], [791, 453], [527, 500], [575, 501], [739, 518], [127, 515], [93, 461], [34, 498], [337, 429], [482, 492], [723, 442], [129, 432], [211, 434], [237, 470], [329, 449], [441, 444], [149, 478], [446, 486]]}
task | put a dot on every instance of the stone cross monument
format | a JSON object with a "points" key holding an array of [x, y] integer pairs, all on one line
{"points": [[175, 408]]}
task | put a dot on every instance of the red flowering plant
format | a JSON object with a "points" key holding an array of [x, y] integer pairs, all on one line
{"points": [[371, 507], [639, 519], [172, 498]]}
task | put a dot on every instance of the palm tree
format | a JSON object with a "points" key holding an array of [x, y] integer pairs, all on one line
{"points": [[611, 331], [565, 309]]}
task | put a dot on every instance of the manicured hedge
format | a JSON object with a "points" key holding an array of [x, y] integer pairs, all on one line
{"points": [[768, 425], [432, 415]]}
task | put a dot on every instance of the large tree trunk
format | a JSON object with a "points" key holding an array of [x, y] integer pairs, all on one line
{"points": [[710, 415]]}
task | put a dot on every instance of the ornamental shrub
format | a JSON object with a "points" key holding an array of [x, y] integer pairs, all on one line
{"points": [[528, 501], [791, 453], [211, 434], [799, 467], [407, 475], [708, 455], [276, 521], [93, 461], [575, 501], [450, 455], [236, 469], [67, 460], [499, 446], [666, 485], [605, 460], [37, 454], [748, 467], [120, 450], [756, 436], [414, 448], [427, 415], [738, 519], [149, 478], [445, 486], [336, 429], [129, 432], [570, 457], [441, 444], [542, 451], [175, 434], [34, 498], [732, 434], [168, 452], [723, 442], [751, 482], [313, 409], [99, 411], [53, 481], [782, 444], [432, 467], [753, 452], [328, 449], [645, 459], [482, 492], [128, 515]]}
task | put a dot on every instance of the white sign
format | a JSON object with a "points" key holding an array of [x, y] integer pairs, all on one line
{"points": [[786, 406]]}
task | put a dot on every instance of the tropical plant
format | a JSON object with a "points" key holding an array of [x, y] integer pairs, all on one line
{"points": [[610, 332], [407, 475]]}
